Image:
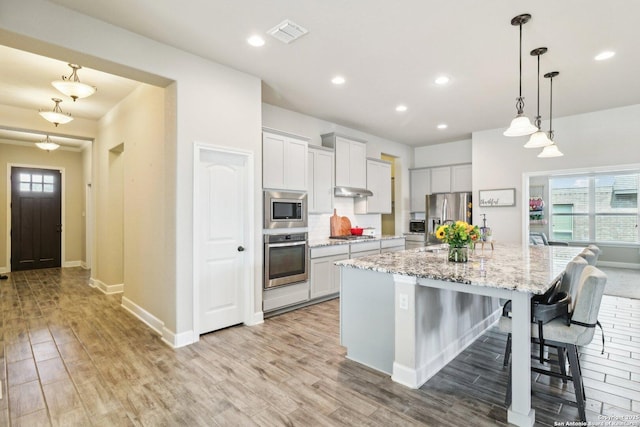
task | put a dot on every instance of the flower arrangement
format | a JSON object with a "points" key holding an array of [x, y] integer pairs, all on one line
{"points": [[458, 234]]}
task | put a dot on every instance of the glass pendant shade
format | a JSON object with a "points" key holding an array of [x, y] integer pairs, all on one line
{"points": [[550, 151], [47, 145], [72, 86], [538, 139], [56, 116], [74, 90], [520, 126]]}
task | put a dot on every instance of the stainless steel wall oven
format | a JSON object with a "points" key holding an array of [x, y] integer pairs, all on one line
{"points": [[285, 259]]}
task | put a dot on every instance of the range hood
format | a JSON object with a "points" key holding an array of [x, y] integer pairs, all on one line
{"points": [[351, 192]]}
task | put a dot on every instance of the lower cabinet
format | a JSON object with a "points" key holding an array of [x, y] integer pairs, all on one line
{"points": [[283, 296], [414, 241], [324, 275], [392, 245]]}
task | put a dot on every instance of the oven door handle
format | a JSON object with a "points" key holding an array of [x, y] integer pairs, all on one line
{"points": [[280, 245]]}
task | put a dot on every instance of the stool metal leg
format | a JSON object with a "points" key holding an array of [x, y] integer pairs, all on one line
{"points": [[574, 364], [507, 353]]}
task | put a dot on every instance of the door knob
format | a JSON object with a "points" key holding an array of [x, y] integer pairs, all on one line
{"points": [[240, 248]]}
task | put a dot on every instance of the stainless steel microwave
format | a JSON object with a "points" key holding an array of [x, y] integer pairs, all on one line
{"points": [[284, 209]]}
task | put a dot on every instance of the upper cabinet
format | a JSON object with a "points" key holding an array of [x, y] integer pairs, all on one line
{"points": [[441, 180], [351, 160], [284, 161], [379, 182], [420, 182], [320, 180], [461, 178]]}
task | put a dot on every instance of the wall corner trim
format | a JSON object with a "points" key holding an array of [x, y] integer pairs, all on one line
{"points": [[106, 289]]}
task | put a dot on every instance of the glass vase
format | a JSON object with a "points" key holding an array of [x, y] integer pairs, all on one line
{"points": [[458, 253]]}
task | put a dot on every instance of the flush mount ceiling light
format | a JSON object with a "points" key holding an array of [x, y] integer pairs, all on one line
{"points": [[602, 56], [539, 138], [551, 150], [401, 108], [72, 86], [520, 126], [442, 80], [338, 80], [442, 126], [255, 41], [56, 116], [47, 144]]}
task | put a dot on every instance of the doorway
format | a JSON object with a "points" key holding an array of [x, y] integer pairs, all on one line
{"points": [[389, 220], [36, 213], [223, 253]]}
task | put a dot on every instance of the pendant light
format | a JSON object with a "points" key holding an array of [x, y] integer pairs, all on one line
{"points": [[72, 86], [551, 150], [47, 144], [56, 116], [539, 138], [520, 126]]}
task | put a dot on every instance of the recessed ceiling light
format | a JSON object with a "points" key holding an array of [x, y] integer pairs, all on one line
{"points": [[401, 108], [338, 80], [255, 41], [442, 80], [442, 126], [604, 55]]}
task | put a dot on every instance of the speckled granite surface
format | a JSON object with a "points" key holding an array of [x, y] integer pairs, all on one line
{"points": [[332, 242], [523, 268]]}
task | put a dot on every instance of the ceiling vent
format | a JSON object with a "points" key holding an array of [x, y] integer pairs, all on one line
{"points": [[287, 31]]}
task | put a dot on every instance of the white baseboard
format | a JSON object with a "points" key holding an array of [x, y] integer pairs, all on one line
{"points": [[147, 318], [85, 266], [69, 264], [256, 319], [106, 289], [415, 378], [615, 264], [4, 270], [177, 340]]}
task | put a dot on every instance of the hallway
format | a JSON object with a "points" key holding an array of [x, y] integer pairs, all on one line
{"points": [[73, 356]]}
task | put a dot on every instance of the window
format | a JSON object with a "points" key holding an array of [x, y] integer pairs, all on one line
{"points": [[36, 183], [595, 208]]}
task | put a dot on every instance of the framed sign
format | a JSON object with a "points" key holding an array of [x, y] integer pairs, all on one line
{"points": [[497, 198]]}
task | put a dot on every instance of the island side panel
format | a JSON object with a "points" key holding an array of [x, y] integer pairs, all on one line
{"points": [[367, 324]]}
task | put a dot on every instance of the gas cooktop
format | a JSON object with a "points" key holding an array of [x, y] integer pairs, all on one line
{"points": [[351, 237]]}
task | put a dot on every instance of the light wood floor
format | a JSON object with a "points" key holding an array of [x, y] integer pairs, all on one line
{"points": [[72, 356]]}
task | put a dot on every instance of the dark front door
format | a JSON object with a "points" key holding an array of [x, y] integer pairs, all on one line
{"points": [[35, 218]]}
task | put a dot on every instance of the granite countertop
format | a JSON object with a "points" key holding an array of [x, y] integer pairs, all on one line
{"points": [[332, 242], [414, 233], [515, 267]]}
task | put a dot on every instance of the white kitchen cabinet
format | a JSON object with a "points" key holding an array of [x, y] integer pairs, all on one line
{"points": [[413, 241], [360, 249], [350, 160], [379, 183], [324, 275], [392, 245], [461, 178], [284, 161], [320, 180], [420, 183], [441, 180]]}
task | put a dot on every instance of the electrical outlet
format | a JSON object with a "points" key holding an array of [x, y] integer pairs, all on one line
{"points": [[403, 301]]}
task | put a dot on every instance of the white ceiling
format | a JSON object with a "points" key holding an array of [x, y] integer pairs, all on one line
{"points": [[390, 52]]}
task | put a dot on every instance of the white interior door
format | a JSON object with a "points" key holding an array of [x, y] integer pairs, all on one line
{"points": [[222, 200]]}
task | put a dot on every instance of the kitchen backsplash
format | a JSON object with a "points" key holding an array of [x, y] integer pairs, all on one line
{"points": [[319, 224]]}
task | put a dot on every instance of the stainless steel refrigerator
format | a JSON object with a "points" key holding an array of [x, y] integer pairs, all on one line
{"points": [[445, 207]]}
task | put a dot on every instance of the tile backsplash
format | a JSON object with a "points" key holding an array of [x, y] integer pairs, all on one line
{"points": [[320, 224]]}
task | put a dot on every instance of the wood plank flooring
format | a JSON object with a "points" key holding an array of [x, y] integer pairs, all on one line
{"points": [[72, 356]]}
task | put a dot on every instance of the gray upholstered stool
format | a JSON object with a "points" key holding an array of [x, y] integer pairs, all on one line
{"points": [[578, 332]]}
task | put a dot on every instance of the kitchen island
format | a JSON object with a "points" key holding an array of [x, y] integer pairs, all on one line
{"points": [[410, 313]]}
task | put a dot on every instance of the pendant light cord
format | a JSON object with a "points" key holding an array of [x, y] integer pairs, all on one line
{"points": [[551, 110], [520, 54]]}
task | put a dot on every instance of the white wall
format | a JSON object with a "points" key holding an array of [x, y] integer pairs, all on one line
{"points": [[311, 127], [603, 138], [443, 154], [207, 102]]}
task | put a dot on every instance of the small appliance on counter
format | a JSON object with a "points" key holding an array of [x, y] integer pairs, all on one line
{"points": [[369, 231], [417, 225]]}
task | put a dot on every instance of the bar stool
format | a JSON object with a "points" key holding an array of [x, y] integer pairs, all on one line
{"points": [[591, 257], [569, 284], [579, 331]]}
